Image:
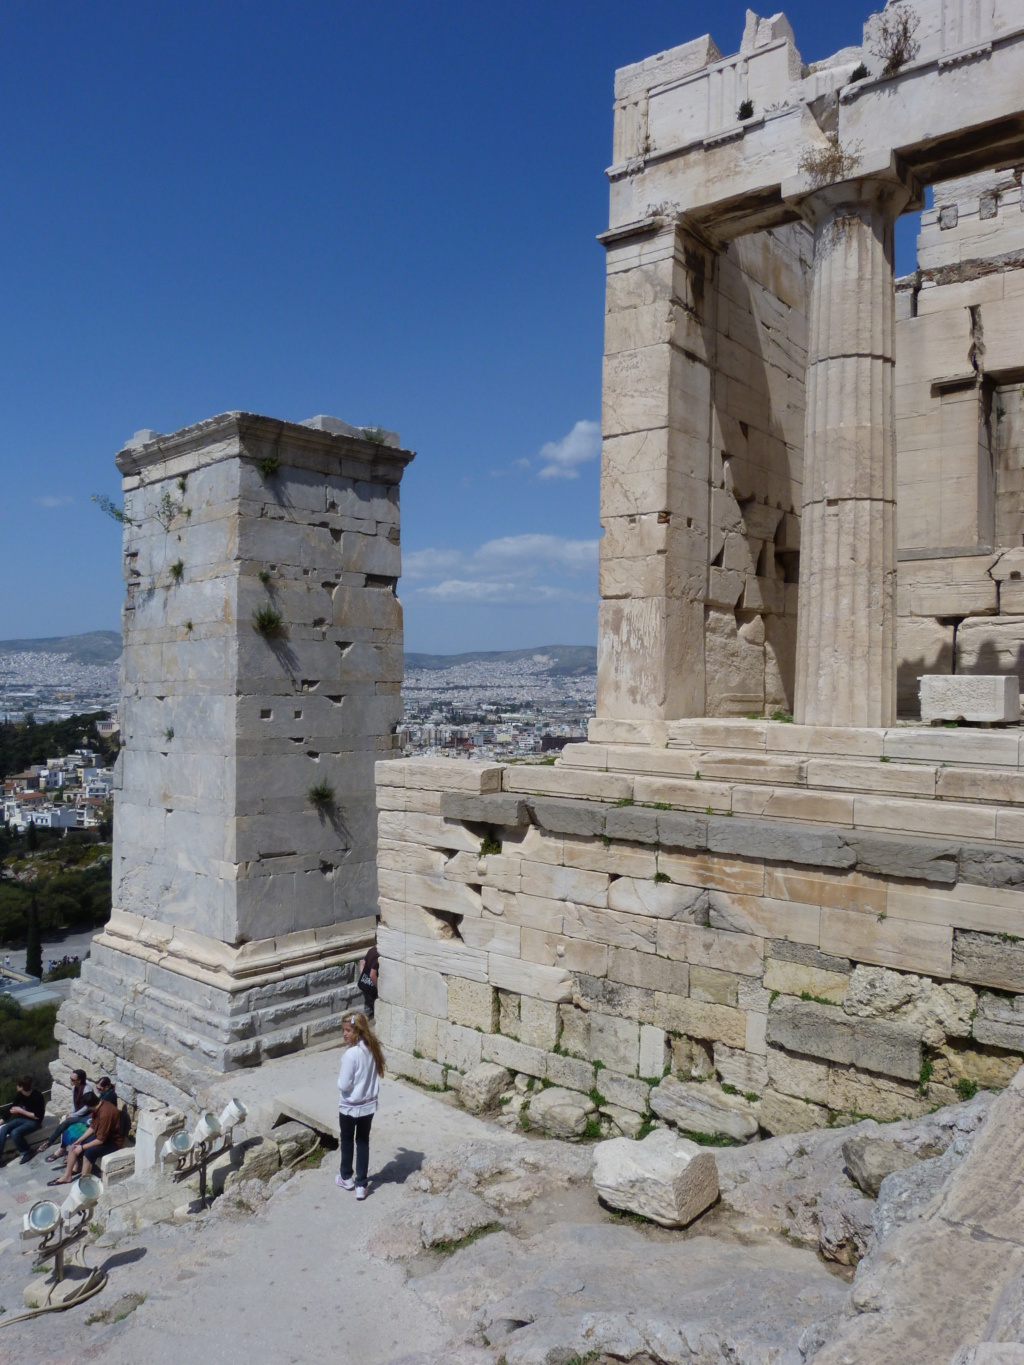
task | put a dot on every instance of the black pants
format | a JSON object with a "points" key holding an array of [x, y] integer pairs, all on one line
{"points": [[369, 1000], [359, 1131]]}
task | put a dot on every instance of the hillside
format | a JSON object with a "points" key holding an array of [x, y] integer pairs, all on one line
{"points": [[94, 647], [565, 660]]}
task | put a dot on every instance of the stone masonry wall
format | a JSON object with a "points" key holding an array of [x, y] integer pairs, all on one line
{"points": [[609, 949]]}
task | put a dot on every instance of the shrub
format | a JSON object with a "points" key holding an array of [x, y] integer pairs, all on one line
{"points": [[825, 165], [268, 466], [859, 73], [267, 621], [896, 43], [375, 435], [746, 110], [177, 570], [322, 796]]}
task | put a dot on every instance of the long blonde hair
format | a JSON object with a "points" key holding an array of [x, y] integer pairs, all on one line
{"points": [[360, 1026]]}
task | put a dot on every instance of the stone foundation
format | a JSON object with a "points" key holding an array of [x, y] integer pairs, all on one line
{"points": [[793, 925]]}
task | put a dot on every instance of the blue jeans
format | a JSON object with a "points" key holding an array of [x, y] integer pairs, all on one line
{"points": [[357, 1130], [18, 1128]]}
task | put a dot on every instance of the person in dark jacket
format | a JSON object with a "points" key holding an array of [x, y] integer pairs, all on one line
{"points": [[26, 1117]]}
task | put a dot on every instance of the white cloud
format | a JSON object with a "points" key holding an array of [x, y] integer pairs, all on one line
{"points": [[512, 569], [48, 500], [560, 459]]}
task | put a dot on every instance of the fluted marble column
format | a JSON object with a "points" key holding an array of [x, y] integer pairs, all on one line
{"points": [[845, 654]]}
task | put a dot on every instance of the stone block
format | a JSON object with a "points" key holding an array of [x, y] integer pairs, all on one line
{"points": [[660, 900], [990, 646], [529, 978], [450, 1044], [489, 808], [561, 1113], [647, 971], [742, 1069], [715, 987], [663, 1178], [740, 953], [481, 1087], [153, 1128], [565, 883], [615, 1042], [513, 1055], [982, 698], [780, 1114], [692, 1059], [855, 1092], [712, 1023], [934, 1010], [794, 978], [611, 997], [703, 1108], [539, 1024], [571, 1073], [624, 1092], [801, 1077], [116, 1167], [568, 817], [903, 944], [472, 1003], [988, 960], [1000, 1022], [654, 1052], [823, 1031]]}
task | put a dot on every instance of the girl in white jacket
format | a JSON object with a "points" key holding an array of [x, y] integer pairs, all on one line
{"points": [[362, 1065]]}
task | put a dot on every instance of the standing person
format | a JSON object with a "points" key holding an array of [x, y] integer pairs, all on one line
{"points": [[26, 1116], [369, 967], [358, 1084]]}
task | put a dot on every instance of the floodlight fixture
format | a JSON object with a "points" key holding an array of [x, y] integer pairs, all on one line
{"points": [[179, 1144], [208, 1127], [234, 1113]]}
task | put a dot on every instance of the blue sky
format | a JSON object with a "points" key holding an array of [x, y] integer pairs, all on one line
{"points": [[386, 212]]}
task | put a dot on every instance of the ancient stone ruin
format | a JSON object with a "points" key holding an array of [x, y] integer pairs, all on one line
{"points": [[262, 674], [810, 498]]}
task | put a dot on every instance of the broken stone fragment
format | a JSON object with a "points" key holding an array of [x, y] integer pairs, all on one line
{"points": [[664, 1178], [869, 1160], [482, 1085], [704, 1108], [562, 1113]]}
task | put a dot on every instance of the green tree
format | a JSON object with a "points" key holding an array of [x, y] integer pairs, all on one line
{"points": [[33, 945], [32, 839]]}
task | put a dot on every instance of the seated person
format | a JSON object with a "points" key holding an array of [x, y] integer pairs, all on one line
{"points": [[26, 1116], [75, 1121], [102, 1137]]}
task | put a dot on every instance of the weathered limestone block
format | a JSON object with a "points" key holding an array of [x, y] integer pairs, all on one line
{"points": [[624, 1091], [703, 1108], [571, 1073], [795, 978], [937, 1011], [855, 1092], [562, 1113], [654, 1052], [482, 1085], [870, 1159], [615, 1042], [451, 1044], [779, 1114], [513, 1055], [692, 1058], [821, 1031], [983, 1065], [799, 1077], [1000, 1022], [489, 808], [712, 1023], [472, 1003], [538, 1024], [663, 1178], [742, 1070], [988, 960], [660, 900], [990, 645], [994, 700], [714, 986], [923, 645]]}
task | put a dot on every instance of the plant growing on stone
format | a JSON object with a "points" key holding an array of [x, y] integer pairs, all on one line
{"points": [[177, 570], [895, 41], [859, 73], [111, 509], [966, 1088], [746, 110], [662, 877], [322, 797], [268, 622], [489, 845], [268, 466], [825, 165], [189, 625], [265, 577], [169, 733], [375, 435]]}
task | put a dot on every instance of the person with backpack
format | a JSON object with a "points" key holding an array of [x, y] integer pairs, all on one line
{"points": [[102, 1137], [369, 969], [362, 1066]]}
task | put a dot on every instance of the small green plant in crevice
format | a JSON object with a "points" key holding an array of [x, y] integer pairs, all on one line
{"points": [[895, 42], [375, 435], [746, 110], [169, 733], [182, 483], [268, 466], [417, 1054], [267, 621], [545, 1084], [884, 758], [489, 845], [178, 570], [606, 841], [266, 577], [966, 1088], [645, 1129], [819, 999], [531, 1081], [729, 1089], [1009, 938], [592, 1129], [626, 1216], [448, 1248], [710, 1139], [662, 877], [783, 716], [655, 805], [598, 1066], [859, 73], [626, 801], [189, 626], [926, 1074], [696, 776], [773, 997], [710, 810], [597, 1097], [322, 797]]}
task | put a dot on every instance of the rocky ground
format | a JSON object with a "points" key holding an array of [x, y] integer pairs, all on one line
{"points": [[481, 1245]]}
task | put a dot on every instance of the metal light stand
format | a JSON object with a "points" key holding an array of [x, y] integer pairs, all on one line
{"points": [[59, 1238], [199, 1158]]}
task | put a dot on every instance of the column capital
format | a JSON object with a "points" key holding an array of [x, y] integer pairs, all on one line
{"points": [[878, 179]]}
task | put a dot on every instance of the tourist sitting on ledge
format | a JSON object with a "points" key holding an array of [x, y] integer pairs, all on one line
{"points": [[26, 1116], [102, 1137]]}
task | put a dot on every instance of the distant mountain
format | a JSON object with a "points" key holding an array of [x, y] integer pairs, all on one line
{"points": [[95, 647], [565, 660]]}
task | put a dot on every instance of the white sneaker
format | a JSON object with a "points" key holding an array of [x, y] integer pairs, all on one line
{"points": [[344, 1184], [360, 1191]]}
